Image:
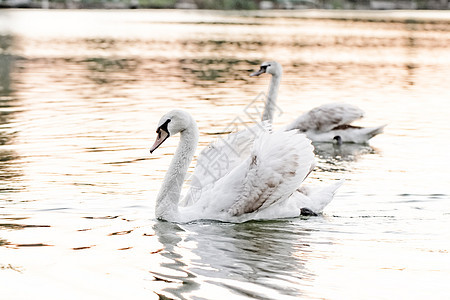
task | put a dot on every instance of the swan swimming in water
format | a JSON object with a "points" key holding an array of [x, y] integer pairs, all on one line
{"points": [[260, 180], [323, 123]]}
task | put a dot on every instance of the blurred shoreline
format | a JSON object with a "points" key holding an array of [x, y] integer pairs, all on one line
{"points": [[240, 5], [361, 15], [387, 16]]}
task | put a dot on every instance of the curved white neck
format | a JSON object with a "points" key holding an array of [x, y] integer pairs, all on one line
{"points": [[169, 194], [269, 108]]}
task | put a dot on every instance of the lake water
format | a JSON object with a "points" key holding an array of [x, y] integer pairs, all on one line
{"points": [[81, 94]]}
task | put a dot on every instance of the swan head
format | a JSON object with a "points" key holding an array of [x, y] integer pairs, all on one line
{"points": [[270, 67], [337, 140], [172, 123]]}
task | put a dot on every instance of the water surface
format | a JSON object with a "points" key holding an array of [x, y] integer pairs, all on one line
{"points": [[81, 93]]}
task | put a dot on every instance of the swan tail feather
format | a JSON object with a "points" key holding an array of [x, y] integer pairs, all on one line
{"points": [[319, 198], [373, 131]]}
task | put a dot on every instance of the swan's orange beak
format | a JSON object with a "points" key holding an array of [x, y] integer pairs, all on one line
{"points": [[162, 136], [259, 72]]}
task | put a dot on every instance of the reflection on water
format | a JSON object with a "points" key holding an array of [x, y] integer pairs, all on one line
{"points": [[339, 158], [5, 63], [170, 235], [7, 157], [211, 71], [251, 259], [105, 71], [2, 242], [79, 104], [9, 172]]}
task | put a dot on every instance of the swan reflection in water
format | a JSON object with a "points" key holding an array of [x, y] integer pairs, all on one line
{"points": [[258, 259], [338, 156]]}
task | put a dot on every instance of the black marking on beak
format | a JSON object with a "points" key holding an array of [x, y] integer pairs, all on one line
{"points": [[261, 70], [163, 134]]}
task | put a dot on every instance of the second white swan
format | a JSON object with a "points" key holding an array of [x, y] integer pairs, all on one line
{"points": [[323, 123]]}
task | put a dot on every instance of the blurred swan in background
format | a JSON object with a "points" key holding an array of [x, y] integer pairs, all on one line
{"points": [[323, 123], [260, 179]]}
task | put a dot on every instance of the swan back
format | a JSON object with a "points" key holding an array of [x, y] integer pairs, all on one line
{"points": [[327, 117]]}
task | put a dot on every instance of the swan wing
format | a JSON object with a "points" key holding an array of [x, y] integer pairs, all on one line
{"points": [[277, 165], [220, 157], [327, 117]]}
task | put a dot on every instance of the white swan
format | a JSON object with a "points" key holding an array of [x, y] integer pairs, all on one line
{"points": [[259, 181], [323, 123]]}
